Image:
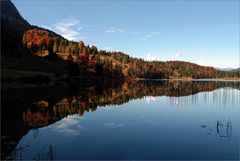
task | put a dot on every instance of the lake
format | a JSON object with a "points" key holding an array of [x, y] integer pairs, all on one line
{"points": [[160, 120]]}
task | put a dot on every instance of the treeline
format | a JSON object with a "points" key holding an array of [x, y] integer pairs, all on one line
{"points": [[108, 64], [85, 57]]}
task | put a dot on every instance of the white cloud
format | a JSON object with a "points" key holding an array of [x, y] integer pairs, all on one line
{"points": [[110, 31], [176, 56], [120, 30], [68, 28], [80, 28], [114, 30], [149, 36], [152, 34], [133, 32], [72, 29], [149, 57]]}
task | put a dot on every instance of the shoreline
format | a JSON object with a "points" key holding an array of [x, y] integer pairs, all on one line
{"points": [[187, 79]]}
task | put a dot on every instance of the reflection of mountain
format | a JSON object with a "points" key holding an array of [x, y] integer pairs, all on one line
{"points": [[30, 108]]}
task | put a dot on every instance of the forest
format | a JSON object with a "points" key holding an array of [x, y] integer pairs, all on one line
{"points": [[31, 48], [113, 64]]}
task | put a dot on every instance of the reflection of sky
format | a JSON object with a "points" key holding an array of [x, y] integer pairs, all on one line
{"points": [[68, 126], [113, 125], [150, 99], [138, 130]]}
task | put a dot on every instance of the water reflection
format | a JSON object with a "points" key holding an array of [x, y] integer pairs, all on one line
{"points": [[47, 152], [224, 127], [32, 108], [68, 126], [227, 98], [220, 129], [44, 111]]}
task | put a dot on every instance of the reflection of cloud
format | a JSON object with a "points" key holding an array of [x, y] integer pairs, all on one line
{"points": [[149, 120], [68, 126], [132, 123], [113, 125], [150, 99], [176, 101], [149, 57]]}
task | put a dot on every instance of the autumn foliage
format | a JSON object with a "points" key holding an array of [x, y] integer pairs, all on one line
{"points": [[90, 99], [37, 39], [115, 64]]}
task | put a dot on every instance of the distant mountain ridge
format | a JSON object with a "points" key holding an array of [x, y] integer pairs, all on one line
{"points": [[224, 69], [236, 70]]}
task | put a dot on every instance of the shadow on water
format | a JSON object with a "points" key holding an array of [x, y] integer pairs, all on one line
{"points": [[24, 109]]}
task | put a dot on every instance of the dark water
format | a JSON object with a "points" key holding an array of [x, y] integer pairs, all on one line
{"points": [[133, 120]]}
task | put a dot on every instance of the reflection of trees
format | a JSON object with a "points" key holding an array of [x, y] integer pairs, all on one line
{"points": [[47, 153], [92, 97], [224, 130], [220, 129], [27, 109], [224, 97]]}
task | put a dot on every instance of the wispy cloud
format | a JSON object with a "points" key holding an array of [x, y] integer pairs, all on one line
{"points": [[80, 28], [149, 57], [72, 29], [149, 36], [107, 48], [114, 30], [69, 28], [176, 56], [133, 32]]}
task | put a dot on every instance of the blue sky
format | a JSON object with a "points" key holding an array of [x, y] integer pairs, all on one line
{"points": [[204, 32]]}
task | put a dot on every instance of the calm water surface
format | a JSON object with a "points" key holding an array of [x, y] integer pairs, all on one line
{"points": [[143, 120]]}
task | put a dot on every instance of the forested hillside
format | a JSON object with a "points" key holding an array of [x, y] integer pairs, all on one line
{"points": [[33, 48], [108, 64]]}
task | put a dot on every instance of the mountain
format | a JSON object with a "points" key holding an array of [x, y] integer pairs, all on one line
{"points": [[12, 28], [17, 62], [235, 70], [112, 65], [10, 13], [32, 52]]}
